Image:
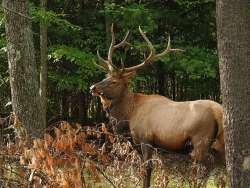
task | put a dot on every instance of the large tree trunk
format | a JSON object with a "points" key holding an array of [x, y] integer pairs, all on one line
{"points": [[44, 66], [233, 26], [22, 66]]}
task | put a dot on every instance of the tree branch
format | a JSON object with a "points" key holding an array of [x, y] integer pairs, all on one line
{"points": [[18, 13]]}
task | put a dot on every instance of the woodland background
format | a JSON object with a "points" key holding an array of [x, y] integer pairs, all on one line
{"points": [[77, 28]]}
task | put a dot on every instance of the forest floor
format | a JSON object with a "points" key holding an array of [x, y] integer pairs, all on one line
{"points": [[173, 182], [70, 156]]}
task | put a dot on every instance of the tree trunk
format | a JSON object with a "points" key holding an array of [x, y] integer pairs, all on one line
{"points": [[22, 66], [44, 66], [233, 26]]}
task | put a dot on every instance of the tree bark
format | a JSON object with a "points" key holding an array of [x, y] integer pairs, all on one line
{"points": [[43, 66], [233, 32], [22, 66]]}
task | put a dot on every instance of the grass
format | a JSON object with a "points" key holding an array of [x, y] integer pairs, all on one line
{"points": [[173, 182]]}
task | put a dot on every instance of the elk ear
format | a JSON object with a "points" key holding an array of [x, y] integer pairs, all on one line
{"points": [[128, 75]]}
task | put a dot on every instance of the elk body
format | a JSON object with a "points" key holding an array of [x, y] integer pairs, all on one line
{"points": [[155, 120]]}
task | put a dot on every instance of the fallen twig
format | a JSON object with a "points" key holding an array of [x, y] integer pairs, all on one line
{"points": [[106, 177]]}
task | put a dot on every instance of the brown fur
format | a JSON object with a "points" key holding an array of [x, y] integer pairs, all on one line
{"points": [[158, 121], [192, 118], [155, 120], [105, 102]]}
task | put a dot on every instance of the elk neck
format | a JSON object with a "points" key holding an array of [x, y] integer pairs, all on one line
{"points": [[122, 106]]}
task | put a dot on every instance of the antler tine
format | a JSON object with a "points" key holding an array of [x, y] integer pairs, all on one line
{"points": [[112, 67], [122, 65], [150, 45], [102, 66], [111, 48], [108, 63], [167, 50], [123, 42], [152, 56], [105, 65]]}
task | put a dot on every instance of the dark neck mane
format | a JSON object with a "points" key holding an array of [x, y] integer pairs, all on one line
{"points": [[121, 108]]}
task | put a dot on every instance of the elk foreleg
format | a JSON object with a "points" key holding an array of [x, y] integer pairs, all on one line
{"points": [[201, 145], [147, 155]]}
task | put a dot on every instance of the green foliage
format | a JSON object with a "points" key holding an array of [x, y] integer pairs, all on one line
{"points": [[76, 29], [130, 15], [197, 63], [52, 19], [192, 22], [1, 18], [2, 46], [72, 69], [193, 3], [58, 25]]}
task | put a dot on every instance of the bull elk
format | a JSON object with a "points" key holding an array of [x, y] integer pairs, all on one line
{"points": [[155, 120]]}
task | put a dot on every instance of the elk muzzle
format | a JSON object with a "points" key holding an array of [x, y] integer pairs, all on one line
{"points": [[95, 91]]}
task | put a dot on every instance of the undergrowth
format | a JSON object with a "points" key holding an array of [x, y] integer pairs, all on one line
{"points": [[72, 156]]}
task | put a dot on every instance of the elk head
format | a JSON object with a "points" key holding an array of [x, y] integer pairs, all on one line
{"points": [[116, 81]]}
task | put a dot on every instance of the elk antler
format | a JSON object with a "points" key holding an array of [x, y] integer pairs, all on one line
{"points": [[152, 55], [108, 64]]}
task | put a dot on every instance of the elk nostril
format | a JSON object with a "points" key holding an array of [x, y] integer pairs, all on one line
{"points": [[92, 88]]}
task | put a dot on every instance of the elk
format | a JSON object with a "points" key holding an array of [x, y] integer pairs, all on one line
{"points": [[155, 120]]}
